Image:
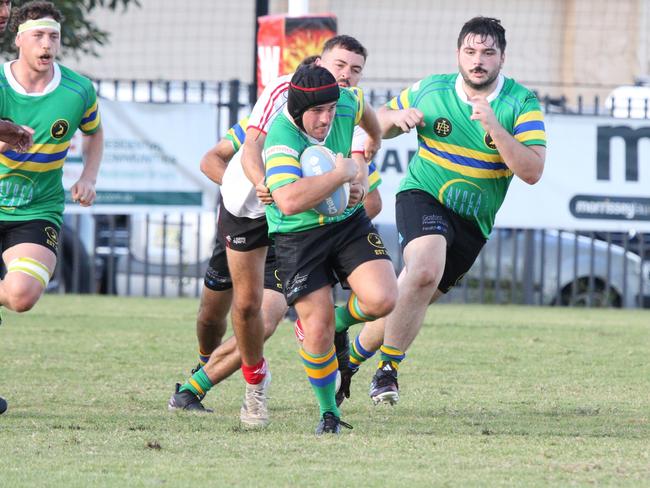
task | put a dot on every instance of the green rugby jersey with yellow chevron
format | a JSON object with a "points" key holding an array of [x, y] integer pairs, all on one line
{"points": [[456, 160], [30, 183]]}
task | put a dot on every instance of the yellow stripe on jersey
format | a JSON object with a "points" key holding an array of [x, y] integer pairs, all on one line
{"points": [[400, 101], [373, 179], [463, 151], [48, 148], [58, 153], [538, 135], [529, 116], [88, 112], [91, 119], [462, 169], [273, 180], [361, 103], [282, 161]]}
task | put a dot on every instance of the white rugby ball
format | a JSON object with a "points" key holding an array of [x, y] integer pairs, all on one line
{"points": [[318, 160]]}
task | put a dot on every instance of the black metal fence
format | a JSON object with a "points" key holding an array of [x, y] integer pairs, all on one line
{"points": [[544, 267]]}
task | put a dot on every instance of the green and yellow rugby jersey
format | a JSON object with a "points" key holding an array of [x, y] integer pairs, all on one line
{"points": [[284, 144], [237, 134], [30, 183], [456, 160]]}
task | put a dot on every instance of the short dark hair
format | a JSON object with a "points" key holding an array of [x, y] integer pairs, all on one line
{"points": [[308, 60], [348, 43], [32, 11], [484, 27]]}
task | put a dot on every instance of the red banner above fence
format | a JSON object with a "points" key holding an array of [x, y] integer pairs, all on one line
{"points": [[283, 42]]}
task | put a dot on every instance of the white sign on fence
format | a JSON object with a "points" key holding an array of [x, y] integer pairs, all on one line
{"points": [[597, 177], [151, 158]]}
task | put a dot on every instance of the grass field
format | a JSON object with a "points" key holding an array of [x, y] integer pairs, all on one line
{"points": [[490, 396]]}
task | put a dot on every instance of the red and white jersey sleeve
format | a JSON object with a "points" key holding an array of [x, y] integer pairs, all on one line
{"points": [[358, 140], [270, 103]]}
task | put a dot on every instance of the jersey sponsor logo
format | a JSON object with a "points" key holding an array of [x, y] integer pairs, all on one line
{"points": [[52, 236], [489, 142], [16, 191], [463, 197], [59, 128], [434, 222], [442, 127], [281, 150]]}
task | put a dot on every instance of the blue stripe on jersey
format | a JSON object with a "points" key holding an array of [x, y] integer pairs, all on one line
{"points": [[35, 157], [278, 170], [239, 132], [464, 160], [528, 126], [90, 118]]}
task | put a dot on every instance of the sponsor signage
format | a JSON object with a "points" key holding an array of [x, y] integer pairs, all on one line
{"points": [[596, 177], [151, 159]]}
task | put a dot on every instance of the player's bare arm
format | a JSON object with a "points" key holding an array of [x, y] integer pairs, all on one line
{"points": [[307, 192], [370, 123], [252, 156], [215, 161], [359, 185], [396, 122], [83, 191], [527, 162]]}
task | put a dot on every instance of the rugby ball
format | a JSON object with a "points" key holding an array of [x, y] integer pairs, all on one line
{"points": [[318, 160]]}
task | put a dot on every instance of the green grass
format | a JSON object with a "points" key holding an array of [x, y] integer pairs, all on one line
{"points": [[490, 396]]}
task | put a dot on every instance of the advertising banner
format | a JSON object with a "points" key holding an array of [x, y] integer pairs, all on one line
{"points": [[283, 42], [596, 177], [151, 158]]}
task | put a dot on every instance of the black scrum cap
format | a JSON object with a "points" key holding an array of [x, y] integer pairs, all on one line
{"points": [[310, 86]]}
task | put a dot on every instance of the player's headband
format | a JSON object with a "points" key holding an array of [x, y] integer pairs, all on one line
{"points": [[44, 23]]}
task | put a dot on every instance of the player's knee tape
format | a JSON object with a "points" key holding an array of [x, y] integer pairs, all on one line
{"points": [[30, 267]]}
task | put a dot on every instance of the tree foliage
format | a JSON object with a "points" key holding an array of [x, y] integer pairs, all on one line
{"points": [[79, 34]]}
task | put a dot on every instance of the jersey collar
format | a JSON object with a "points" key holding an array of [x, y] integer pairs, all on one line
{"points": [[463, 96], [18, 88], [309, 138]]}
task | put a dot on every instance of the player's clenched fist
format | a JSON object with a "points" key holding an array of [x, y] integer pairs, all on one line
{"points": [[482, 111], [408, 119]]}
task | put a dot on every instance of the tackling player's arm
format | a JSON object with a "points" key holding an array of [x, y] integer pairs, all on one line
{"points": [[253, 163], [83, 191], [16, 137], [372, 204], [359, 185], [527, 162], [215, 161], [370, 123], [307, 192]]}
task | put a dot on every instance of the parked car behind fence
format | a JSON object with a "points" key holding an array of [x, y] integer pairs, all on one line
{"points": [[167, 254]]}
